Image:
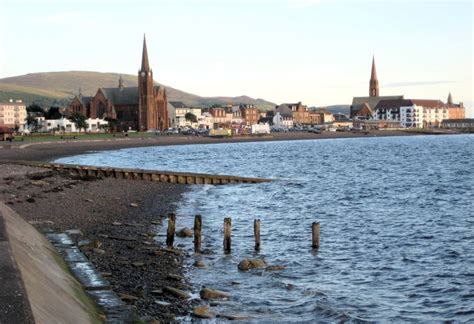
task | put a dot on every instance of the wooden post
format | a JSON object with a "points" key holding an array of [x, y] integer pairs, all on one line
{"points": [[227, 234], [315, 230], [256, 232], [197, 233], [171, 229]]}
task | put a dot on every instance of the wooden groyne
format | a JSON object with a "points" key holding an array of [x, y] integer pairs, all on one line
{"points": [[139, 174]]}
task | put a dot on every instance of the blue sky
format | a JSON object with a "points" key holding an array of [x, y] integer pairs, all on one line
{"points": [[315, 51]]}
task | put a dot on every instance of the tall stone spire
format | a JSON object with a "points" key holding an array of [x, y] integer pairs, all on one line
{"points": [[120, 83], [145, 63], [374, 82], [450, 99]]}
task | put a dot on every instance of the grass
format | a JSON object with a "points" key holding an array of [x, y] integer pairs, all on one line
{"points": [[77, 137]]}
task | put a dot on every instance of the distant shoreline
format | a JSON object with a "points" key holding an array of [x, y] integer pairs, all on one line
{"points": [[51, 151]]}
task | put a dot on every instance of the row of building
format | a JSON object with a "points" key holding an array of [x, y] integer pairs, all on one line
{"points": [[397, 111]]}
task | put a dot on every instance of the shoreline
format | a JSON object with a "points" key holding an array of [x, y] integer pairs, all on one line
{"points": [[122, 219], [50, 151]]}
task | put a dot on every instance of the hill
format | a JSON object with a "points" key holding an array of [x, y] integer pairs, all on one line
{"points": [[58, 88]]}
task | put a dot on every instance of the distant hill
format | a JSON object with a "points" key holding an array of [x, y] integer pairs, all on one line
{"points": [[58, 88], [337, 109]]}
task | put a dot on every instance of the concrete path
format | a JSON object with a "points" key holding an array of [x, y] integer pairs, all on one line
{"points": [[14, 304]]}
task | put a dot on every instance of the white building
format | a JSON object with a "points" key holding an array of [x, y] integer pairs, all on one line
{"points": [[282, 121], [416, 113], [179, 115], [48, 125], [261, 129], [13, 115], [205, 121]]}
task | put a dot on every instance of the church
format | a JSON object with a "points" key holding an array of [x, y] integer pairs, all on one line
{"points": [[139, 108]]}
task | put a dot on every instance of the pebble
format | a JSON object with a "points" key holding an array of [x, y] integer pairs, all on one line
{"points": [[247, 264], [199, 264], [208, 293], [202, 312], [116, 223], [162, 303], [127, 297], [176, 292], [174, 277], [74, 232], [98, 251], [134, 205], [184, 232], [138, 264]]}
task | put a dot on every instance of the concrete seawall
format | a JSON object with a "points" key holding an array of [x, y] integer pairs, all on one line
{"points": [[139, 174], [52, 294]]}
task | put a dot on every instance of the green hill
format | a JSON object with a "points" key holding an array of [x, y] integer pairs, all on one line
{"points": [[58, 88]]}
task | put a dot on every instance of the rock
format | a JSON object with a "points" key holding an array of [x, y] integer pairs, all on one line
{"points": [[74, 232], [89, 200], [117, 224], [89, 244], [98, 251], [176, 292], [103, 235], [174, 277], [199, 264], [29, 199], [208, 293], [106, 274], [134, 205], [157, 291], [275, 268], [202, 312], [127, 297], [162, 303], [39, 183], [247, 264], [234, 317], [290, 286], [138, 264], [184, 232]]}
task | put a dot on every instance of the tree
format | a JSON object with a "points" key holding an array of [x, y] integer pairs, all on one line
{"points": [[191, 117], [53, 113], [112, 124], [32, 122], [36, 109], [79, 121]]}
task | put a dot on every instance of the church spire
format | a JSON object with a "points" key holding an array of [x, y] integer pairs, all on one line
{"points": [[450, 99], [145, 63], [374, 82], [120, 83]]}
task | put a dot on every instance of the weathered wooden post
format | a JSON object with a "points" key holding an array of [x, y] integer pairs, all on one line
{"points": [[227, 234], [171, 229], [197, 233], [315, 230], [256, 232]]}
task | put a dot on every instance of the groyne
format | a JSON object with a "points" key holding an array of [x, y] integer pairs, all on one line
{"points": [[140, 174]]}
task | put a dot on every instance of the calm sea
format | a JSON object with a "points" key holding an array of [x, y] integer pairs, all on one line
{"points": [[396, 214]]}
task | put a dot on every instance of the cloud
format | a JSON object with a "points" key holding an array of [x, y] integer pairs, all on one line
{"points": [[415, 83]]}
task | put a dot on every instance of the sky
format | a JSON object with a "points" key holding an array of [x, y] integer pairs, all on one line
{"points": [[315, 51]]}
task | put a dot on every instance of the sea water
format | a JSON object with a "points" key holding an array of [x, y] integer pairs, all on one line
{"points": [[396, 215]]}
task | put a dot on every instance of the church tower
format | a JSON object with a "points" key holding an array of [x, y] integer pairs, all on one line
{"points": [[146, 102], [450, 99], [374, 83]]}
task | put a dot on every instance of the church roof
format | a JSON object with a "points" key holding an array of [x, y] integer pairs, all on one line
{"points": [[373, 101], [122, 96], [428, 103], [85, 100], [178, 104]]}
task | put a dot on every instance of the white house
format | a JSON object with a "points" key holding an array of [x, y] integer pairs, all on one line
{"points": [[63, 124], [282, 121]]}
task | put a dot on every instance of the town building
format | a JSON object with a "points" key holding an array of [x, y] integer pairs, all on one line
{"points": [[13, 115], [282, 121], [464, 123], [94, 125], [178, 119], [250, 114], [140, 108]]}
